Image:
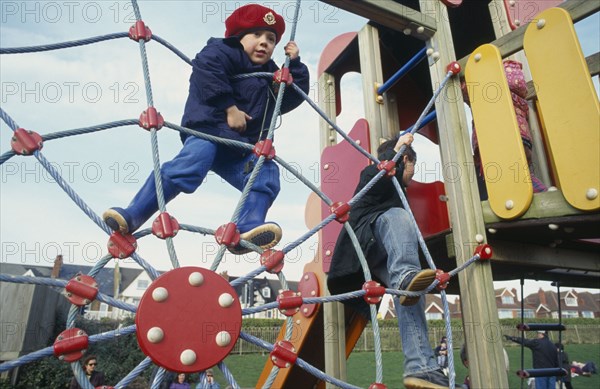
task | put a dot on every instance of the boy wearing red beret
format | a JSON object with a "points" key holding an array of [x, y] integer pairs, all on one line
{"points": [[233, 108]]}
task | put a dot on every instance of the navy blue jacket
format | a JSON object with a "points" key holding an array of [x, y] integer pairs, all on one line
{"points": [[213, 89]]}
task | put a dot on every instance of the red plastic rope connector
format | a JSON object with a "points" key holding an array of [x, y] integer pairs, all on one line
{"points": [[341, 210], [25, 142], [377, 385], [374, 292], [389, 167], [484, 251], [289, 302], [264, 148], [228, 235], [165, 226], [70, 345], [453, 67], [283, 75], [150, 118], [443, 279], [140, 31], [272, 260], [121, 246], [283, 354], [81, 290]]}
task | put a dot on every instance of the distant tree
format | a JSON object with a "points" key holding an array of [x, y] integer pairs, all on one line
{"points": [[116, 358]]}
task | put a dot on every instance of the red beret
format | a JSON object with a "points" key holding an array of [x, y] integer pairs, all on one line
{"points": [[254, 17]]}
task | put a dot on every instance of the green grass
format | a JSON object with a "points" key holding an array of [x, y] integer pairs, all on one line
{"points": [[361, 367]]}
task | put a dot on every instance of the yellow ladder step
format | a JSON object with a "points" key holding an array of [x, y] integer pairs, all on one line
{"points": [[502, 155], [568, 105]]}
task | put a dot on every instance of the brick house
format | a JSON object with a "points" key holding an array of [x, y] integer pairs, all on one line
{"points": [[573, 304]]}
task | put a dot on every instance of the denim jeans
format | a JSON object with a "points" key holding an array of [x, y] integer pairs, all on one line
{"points": [[398, 256], [186, 171], [189, 168], [545, 382]]}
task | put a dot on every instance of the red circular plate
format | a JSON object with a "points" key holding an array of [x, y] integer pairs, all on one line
{"points": [[188, 320]]}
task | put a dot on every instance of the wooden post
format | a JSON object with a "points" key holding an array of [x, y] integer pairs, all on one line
{"points": [[328, 136], [480, 317], [370, 69], [333, 313]]}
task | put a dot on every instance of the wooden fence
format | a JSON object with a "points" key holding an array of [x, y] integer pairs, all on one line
{"points": [[390, 339]]}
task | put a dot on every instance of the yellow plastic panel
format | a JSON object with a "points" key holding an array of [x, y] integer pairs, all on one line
{"points": [[505, 165], [568, 104]]}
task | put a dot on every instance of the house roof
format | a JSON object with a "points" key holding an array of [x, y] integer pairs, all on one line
{"points": [[433, 303], [16, 269], [586, 301], [105, 277]]}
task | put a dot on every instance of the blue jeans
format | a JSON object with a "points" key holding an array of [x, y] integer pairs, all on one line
{"points": [[189, 168], [396, 257], [545, 382], [186, 171]]}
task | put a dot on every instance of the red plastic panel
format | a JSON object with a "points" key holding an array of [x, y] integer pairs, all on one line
{"points": [[426, 203], [341, 165], [330, 55], [188, 320], [521, 12]]}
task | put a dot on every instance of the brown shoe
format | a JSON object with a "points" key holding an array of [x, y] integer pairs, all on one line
{"points": [[420, 281]]}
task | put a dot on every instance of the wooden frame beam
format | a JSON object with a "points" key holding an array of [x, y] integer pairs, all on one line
{"points": [[513, 41], [544, 257], [390, 14], [544, 205]]}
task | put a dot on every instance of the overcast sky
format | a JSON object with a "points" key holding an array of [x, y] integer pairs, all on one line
{"points": [[95, 84]]}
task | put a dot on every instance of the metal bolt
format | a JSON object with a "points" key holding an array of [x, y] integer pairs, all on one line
{"points": [[509, 204], [477, 57], [591, 194], [407, 31], [421, 29]]}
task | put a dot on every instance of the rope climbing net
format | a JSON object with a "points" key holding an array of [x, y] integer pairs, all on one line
{"points": [[193, 283]]}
